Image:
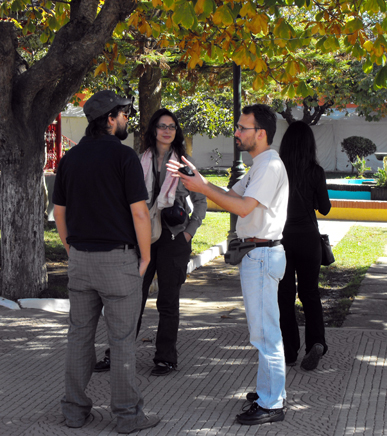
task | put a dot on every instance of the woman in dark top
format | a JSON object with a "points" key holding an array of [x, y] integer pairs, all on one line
{"points": [[301, 240]]}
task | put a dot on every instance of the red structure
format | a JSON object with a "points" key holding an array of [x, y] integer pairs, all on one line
{"points": [[53, 138]]}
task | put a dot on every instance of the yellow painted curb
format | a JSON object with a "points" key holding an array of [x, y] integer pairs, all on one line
{"points": [[351, 210]]}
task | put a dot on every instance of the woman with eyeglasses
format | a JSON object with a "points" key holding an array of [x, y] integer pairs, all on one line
{"points": [[170, 253]]}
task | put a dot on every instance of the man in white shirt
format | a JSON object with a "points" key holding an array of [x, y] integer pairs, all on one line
{"points": [[260, 200]]}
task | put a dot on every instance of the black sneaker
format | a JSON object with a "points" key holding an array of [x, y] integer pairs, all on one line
{"points": [[257, 415], [102, 365], [311, 360], [163, 368]]}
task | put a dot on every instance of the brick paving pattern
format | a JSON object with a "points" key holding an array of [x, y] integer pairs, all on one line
{"points": [[345, 396]]}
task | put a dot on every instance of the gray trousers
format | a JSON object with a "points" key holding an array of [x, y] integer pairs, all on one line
{"points": [[96, 279]]}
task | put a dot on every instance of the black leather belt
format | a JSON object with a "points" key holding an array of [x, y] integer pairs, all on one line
{"points": [[263, 242], [122, 247]]}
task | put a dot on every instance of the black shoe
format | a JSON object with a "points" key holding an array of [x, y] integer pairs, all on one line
{"points": [[257, 415], [78, 424], [291, 363], [252, 396], [163, 368], [102, 365], [311, 360]]}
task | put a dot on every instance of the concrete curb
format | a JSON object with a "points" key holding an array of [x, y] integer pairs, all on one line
{"points": [[63, 305]]}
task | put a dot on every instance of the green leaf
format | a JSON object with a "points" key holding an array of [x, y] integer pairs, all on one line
{"points": [[16, 6], [302, 89], [291, 91], [52, 23], [169, 4], [367, 66], [44, 38], [184, 15], [353, 25], [382, 5], [209, 7], [381, 79], [226, 15]]}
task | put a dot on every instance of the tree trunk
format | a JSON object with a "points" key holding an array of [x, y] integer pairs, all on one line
{"points": [[149, 89], [188, 144], [31, 98], [24, 272], [136, 142]]}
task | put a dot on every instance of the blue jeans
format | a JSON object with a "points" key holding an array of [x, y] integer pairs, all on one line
{"points": [[260, 272]]}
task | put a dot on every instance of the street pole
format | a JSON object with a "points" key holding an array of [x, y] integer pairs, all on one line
{"points": [[237, 169]]}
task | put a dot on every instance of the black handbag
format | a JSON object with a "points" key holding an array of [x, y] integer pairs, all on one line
{"points": [[327, 257], [174, 215]]}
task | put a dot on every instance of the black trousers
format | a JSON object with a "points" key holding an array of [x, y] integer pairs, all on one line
{"points": [[169, 258], [303, 257]]}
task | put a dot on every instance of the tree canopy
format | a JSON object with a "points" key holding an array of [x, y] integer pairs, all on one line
{"points": [[48, 46]]}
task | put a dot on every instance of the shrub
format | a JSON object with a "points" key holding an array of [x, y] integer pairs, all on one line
{"points": [[381, 175], [357, 146], [361, 167]]}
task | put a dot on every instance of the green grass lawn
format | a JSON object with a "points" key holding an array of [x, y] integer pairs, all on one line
{"points": [[213, 230], [354, 254], [339, 282], [220, 180], [223, 179]]}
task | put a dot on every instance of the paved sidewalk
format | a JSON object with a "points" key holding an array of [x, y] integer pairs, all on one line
{"points": [[346, 395]]}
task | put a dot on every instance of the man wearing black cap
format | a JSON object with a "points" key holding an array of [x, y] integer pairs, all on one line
{"points": [[101, 215]]}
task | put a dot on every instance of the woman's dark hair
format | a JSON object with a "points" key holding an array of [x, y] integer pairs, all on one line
{"points": [[99, 126], [150, 135], [298, 153]]}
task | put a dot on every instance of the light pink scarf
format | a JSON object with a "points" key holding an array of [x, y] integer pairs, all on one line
{"points": [[167, 194]]}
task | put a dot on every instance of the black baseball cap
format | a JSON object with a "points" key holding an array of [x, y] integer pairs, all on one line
{"points": [[103, 102]]}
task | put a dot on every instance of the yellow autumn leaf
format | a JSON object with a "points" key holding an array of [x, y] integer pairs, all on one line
{"points": [[133, 19], [368, 45], [194, 61], [258, 83], [315, 29], [264, 23], [102, 68], [251, 63], [292, 68], [379, 29], [156, 27], [248, 9], [199, 7], [156, 3], [148, 30], [280, 42], [169, 22], [260, 65]]}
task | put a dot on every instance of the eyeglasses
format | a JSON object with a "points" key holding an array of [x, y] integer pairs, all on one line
{"points": [[242, 129], [165, 127], [125, 115]]}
